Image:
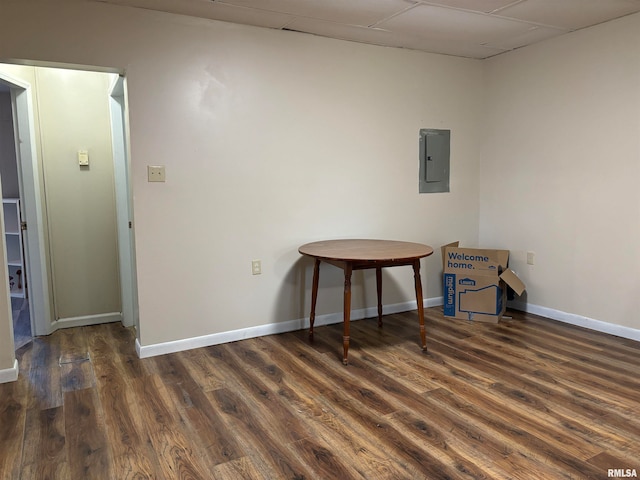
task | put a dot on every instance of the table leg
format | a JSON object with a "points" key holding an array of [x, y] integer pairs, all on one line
{"points": [[379, 290], [347, 311], [314, 296], [419, 299]]}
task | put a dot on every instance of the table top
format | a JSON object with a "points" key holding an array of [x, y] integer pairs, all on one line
{"points": [[365, 250]]}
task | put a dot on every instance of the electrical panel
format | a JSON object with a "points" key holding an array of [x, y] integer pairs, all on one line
{"points": [[434, 160]]}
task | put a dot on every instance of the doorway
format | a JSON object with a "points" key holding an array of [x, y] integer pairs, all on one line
{"points": [[18, 288], [52, 260]]}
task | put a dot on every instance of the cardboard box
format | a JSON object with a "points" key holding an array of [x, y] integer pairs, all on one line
{"points": [[475, 282]]}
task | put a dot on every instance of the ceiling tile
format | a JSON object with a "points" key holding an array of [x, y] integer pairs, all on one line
{"points": [[483, 6], [572, 14], [467, 28], [355, 12], [534, 35], [210, 10], [440, 23], [375, 36], [457, 49], [247, 16], [379, 36]]}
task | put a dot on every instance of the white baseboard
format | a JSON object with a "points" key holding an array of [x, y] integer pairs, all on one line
{"points": [[145, 351], [9, 374], [578, 320], [87, 320]]}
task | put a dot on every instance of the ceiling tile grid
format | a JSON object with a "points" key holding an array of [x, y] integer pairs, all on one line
{"points": [[467, 28]]}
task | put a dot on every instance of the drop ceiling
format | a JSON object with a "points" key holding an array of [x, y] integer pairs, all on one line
{"points": [[465, 28]]}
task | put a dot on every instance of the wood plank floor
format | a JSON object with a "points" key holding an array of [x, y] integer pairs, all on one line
{"points": [[21, 321], [528, 398]]}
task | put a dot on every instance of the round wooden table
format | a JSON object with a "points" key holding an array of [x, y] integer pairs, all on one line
{"points": [[359, 254]]}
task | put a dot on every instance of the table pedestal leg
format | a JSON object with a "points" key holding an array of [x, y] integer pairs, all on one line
{"points": [[347, 311], [419, 299], [314, 296], [379, 290]]}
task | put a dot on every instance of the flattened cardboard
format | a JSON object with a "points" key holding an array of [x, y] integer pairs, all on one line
{"points": [[475, 282]]}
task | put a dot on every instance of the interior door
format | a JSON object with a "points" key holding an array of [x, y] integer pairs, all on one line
{"points": [[123, 204]]}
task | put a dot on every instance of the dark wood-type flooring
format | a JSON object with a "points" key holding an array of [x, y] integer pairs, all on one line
{"points": [[21, 321], [528, 398]]}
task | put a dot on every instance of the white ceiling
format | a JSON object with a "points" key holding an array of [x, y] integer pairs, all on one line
{"points": [[465, 28]]}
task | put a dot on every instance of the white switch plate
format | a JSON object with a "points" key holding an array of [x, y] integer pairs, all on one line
{"points": [[155, 173], [531, 258], [256, 267], [83, 158]]}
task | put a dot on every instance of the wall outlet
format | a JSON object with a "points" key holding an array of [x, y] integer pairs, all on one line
{"points": [[256, 267], [155, 173]]}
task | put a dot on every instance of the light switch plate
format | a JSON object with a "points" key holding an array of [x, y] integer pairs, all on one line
{"points": [[83, 158], [531, 258], [256, 267], [155, 173]]}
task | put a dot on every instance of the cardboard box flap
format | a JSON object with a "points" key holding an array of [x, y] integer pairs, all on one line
{"points": [[510, 278], [444, 249]]}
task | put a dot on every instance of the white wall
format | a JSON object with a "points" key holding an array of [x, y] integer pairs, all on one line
{"points": [[560, 170], [270, 140]]}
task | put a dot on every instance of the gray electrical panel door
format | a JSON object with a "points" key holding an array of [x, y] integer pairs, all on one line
{"points": [[434, 160]]}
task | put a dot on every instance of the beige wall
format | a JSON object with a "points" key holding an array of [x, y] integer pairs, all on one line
{"points": [[271, 140], [560, 169]]}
